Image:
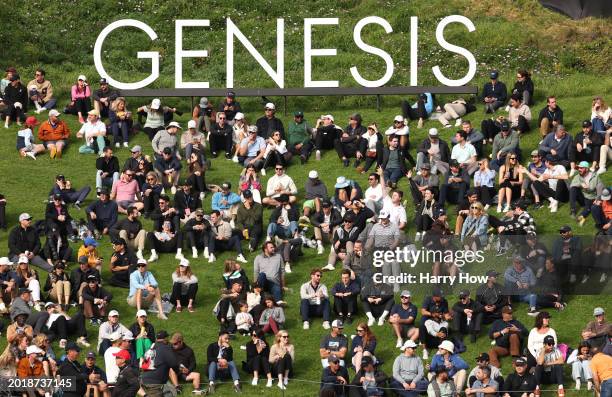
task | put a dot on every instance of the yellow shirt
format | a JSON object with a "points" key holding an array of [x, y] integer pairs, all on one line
{"points": [[92, 256], [601, 365]]}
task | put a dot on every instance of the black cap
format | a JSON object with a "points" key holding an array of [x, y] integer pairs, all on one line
{"points": [[57, 196], [60, 177], [348, 217], [494, 74], [551, 158], [72, 346], [230, 94], [367, 360], [167, 150], [439, 212], [520, 361], [247, 194], [483, 357], [586, 123], [103, 190], [326, 204], [161, 335], [83, 259], [298, 113], [565, 229], [464, 293], [492, 273], [92, 278], [454, 163], [549, 340], [59, 265], [437, 291], [24, 290], [103, 81], [119, 241], [226, 186], [522, 204], [505, 125]]}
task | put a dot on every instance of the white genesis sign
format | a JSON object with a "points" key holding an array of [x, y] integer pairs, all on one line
{"points": [[310, 51]]}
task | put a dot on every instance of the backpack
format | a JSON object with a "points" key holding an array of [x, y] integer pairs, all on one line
{"points": [[147, 361]]}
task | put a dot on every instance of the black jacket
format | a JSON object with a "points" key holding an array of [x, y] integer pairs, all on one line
{"points": [[357, 390], [596, 141], [385, 159], [525, 85], [557, 115], [335, 218], [164, 361], [354, 135], [498, 91], [77, 277], [51, 213], [73, 369], [131, 227], [135, 330], [292, 214], [183, 201], [162, 165], [266, 126], [213, 352], [111, 165], [127, 383], [444, 149], [105, 211], [226, 130], [121, 278], [14, 94], [22, 240], [186, 357], [100, 293]]}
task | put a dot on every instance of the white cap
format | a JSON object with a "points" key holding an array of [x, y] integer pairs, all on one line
{"points": [[252, 128], [337, 324], [24, 216], [399, 118], [184, 262], [115, 336], [155, 104], [23, 259], [328, 116], [33, 349], [5, 261], [239, 116], [313, 174], [82, 77], [433, 132], [141, 313], [447, 345], [174, 124], [113, 313], [407, 344], [54, 113], [127, 335], [191, 124], [383, 214], [270, 105], [18, 105], [140, 261]]}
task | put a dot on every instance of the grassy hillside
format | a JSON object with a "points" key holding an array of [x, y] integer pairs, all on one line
{"points": [[567, 58]]}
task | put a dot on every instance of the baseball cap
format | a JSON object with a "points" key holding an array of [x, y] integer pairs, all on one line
{"points": [[184, 262], [328, 116], [605, 195], [252, 129], [24, 290], [337, 324], [326, 204], [583, 164], [230, 94], [23, 259], [520, 361], [33, 349], [72, 346], [366, 360], [155, 104], [433, 132], [92, 278], [124, 354], [407, 344], [437, 291], [464, 293], [565, 229], [313, 174], [586, 123], [549, 340], [333, 359], [174, 124], [247, 194], [203, 101], [115, 336], [239, 116], [492, 273], [142, 262], [83, 259], [494, 74], [90, 355], [598, 311], [161, 334], [398, 118], [226, 186], [383, 214], [127, 335], [94, 112], [90, 241], [283, 198], [405, 293], [4, 261], [270, 105], [535, 152], [505, 125], [136, 149], [119, 241], [483, 357], [191, 124], [113, 313], [425, 166], [24, 217], [103, 80], [82, 77], [141, 313], [54, 113], [167, 150], [32, 121], [298, 113]]}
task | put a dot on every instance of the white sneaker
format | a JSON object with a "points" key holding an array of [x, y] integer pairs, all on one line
{"points": [[572, 278], [263, 172], [371, 321], [281, 386], [506, 208], [329, 267], [603, 278], [62, 343], [235, 159], [162, 316], [139, 254], [269, 383], [254, 381], [2, 307], [417, 237], [32, 155], [173, 190], [205, 253], [117, 145], [554, 206], [381, 321], [458, 122], [601, 171], [448, 126], [153, 258], [399, 343], [211, 258], [486, 207], [179, 256], [37, 111], [125, 144], [240, 258], [202, 196], [318, 155], [320, 249], [287, 268], [325, 324], [194, 252], [83, 342], [425, 354], [577, 384], [306, 325], [589, 385], [285, 381], [232, 224], [499, 209]]}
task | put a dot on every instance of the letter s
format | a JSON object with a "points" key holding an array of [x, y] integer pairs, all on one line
{"points": [[456, 49]]}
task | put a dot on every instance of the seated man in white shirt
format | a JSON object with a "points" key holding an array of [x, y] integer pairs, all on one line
{"points": [[464, 153], [394, 207], [374, 193], [94, 132], [279, 183]]}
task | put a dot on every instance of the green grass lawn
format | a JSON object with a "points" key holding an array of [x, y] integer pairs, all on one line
{"points": [[562, 55]]}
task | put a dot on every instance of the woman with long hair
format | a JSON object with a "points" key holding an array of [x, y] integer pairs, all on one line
{"points": [[151, 190], [184, 287], [257, 357], [239, 132], [276, 152], [233, 272], [364, 344], [80, 102], [600, 115], [121, 120], [510, 182], [484, 183], [155, 117], [535, 341], [282, 357], [58, 286], [272, 318], [26, 277], [371, 147], [475, 226], [197, 171], [8, 362], [249, 180], [49, 360], [426, 213], [580, 359], [523, 86]]}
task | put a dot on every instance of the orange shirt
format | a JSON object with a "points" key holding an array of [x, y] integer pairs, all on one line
{"points": [[25, 370], [46, 132], [606, 206], [601, 365]]}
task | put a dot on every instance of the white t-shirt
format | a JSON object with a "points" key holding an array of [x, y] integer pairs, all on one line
{"points": [[372, 140], [374, 193], [555, 171], [88, 130], [110, 365], [463, 154], [397, 213]]}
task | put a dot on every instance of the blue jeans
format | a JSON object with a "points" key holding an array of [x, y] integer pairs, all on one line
{"points": [[274, 229], [213, 369], [606, 388], [398, 388], [270, 286], [307, 310], [393, 174], [108, 181], [531, 299]]}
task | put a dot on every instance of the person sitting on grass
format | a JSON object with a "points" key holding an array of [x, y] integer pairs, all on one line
{"points": [[279, 184], [483, 361], [257, 358], [220, 358], [54, 134], [508, 335], [16, 100], [96, 300], [580, 359], [408, 372], [25, 140], [102, 214], [58, 286], [314, 300], [144, 290], [272, 318], [168, 168], [559, 145], [447, 358], [282, 357], [521, 382], [226, 202], [377, 300], [584, 189], [519, 114], [187, 362], [94, 133], [345, 293], [362, 345], [221, 238], [494, 96], [549, 365], [484, 386], [184, 286], [333, 345], [98, 385]]}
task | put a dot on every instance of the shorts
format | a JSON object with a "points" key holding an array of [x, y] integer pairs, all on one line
{"points": [[45, 143], [131, 301], [309, 204], [125, 203]]}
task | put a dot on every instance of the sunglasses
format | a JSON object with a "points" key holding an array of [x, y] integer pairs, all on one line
{"points": [[360, 330], [142, 265], [150, 179], [317, 275], [130, 175], [221, 118], [405, 297], [475, 207], [279, 169], [285, 336], [512, 158]]}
